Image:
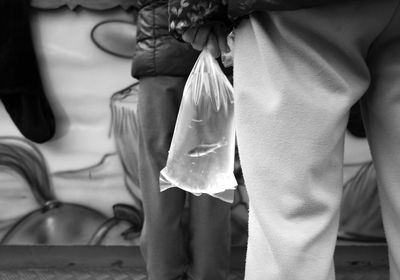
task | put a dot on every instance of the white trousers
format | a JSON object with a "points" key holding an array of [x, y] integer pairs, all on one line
{"points": [[296, 75]]}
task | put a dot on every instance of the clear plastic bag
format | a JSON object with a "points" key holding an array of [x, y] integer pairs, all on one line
{"points": [[201, 156]]}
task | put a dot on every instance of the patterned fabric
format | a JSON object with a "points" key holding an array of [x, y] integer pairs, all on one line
{"points": [[184, 14]]}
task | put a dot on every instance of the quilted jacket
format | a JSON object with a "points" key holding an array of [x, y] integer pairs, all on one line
{"points": [[157, 52]]}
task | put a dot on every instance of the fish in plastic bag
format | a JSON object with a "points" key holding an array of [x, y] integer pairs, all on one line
{"points": [[201, 156]]}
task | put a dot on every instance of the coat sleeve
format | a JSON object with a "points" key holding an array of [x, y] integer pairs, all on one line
{"points": [[240, 8], [184, 14]]}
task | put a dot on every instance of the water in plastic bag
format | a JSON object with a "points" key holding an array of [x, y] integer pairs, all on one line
{"points": [[201, 156]]}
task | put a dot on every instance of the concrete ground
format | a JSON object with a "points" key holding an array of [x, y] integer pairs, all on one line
{"points": [[352, 261], [349, 273]]}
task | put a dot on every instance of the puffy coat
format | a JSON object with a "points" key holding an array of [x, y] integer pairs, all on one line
{"points": [[157, 52]]}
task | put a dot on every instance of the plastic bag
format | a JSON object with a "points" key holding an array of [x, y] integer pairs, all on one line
{"points": [[201, 156]]}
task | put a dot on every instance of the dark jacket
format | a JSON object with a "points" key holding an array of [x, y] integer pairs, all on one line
{"points": [[185, 14], [157, 52], [238, 8]]}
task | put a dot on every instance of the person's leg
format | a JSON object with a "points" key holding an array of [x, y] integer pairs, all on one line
{"points": [[209, 238], [307, 69], [360, 218], [162, 241], [381, 108]]}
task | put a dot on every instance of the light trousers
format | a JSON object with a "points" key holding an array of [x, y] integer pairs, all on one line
{"points": [[296, 75]]}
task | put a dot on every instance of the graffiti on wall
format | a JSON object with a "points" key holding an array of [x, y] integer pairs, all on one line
{"points": [[81, 186]]}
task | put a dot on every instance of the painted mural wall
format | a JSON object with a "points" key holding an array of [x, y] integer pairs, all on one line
{"points": [[80, 187]]}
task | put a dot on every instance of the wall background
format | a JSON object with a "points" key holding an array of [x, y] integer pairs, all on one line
{"points": [[80, 78], [81, 187]]}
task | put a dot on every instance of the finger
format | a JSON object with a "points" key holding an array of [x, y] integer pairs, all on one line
{"points": [[221, 36], [190, 34], [212, 45], [201, 38]]}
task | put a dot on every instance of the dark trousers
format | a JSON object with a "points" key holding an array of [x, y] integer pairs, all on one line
{"points": [[200, 248]]}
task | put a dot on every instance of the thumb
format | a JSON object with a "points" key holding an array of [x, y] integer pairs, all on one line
{"points": [[212, 46]]}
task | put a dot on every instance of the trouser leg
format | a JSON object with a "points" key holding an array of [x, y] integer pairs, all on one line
{"points": [[382, 119], [209, 231], [162, 241], [308, 69]]}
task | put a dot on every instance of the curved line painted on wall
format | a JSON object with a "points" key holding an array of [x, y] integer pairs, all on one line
{"points": [[23, 157], [115, 37]]}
